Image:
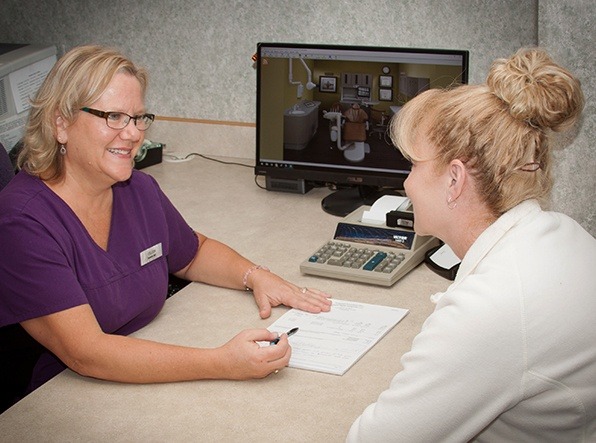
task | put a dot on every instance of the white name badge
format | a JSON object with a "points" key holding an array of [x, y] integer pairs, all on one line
{"points": [[150, 254]]}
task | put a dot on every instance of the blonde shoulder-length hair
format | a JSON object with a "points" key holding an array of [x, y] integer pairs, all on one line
{"points": [[499, 129], [77, 80]]}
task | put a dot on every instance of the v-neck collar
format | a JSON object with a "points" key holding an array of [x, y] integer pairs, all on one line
{"points": [[62, 202]]}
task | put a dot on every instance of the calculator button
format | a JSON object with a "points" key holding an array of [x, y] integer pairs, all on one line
{"points": [[335, 262], [372, 264]]}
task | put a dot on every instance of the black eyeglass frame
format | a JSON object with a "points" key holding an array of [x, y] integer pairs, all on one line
{"points": [[106, 115]]}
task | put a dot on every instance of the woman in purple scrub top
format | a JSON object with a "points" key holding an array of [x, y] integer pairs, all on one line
{"points": [[91, 242]]}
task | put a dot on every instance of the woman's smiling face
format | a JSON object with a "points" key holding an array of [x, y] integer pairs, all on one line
{"points": [[97, 153]]}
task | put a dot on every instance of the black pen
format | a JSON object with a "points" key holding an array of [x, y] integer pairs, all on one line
{"points": [[289, 333]]}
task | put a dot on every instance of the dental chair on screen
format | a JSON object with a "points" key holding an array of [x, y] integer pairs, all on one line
{"points": [[349, 131]]}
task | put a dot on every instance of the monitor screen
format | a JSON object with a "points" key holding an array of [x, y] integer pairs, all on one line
{"points": [[323, 112]]}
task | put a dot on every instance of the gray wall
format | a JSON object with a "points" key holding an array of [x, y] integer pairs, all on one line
{"points": [[198, 52], [566, 29]]}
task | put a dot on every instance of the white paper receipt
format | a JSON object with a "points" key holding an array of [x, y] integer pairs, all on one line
{"points": [[377, 214]]}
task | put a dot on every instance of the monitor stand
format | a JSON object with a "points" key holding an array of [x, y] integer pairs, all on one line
{"points": [[344, 201]]}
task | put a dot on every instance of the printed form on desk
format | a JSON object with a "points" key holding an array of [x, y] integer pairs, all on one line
{"points": [[333, 341]]}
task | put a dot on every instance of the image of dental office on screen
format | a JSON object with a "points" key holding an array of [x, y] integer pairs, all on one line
{"points": [[331, 108]]}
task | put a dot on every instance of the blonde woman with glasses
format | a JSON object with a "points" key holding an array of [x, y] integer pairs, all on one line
{"points": [[76, 219]]}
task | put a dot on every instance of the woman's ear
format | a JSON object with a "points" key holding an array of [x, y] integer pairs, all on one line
{"points": [[458, 179], [61, 134]]}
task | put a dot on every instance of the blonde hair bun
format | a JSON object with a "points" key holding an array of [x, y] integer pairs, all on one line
{"points": [[536, 89]]}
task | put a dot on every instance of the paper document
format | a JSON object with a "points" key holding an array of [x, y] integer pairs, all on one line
{"points": [[333, 341], [25, 82]]}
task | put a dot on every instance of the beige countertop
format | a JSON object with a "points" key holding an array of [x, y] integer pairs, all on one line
{"points": [[278, 230]]}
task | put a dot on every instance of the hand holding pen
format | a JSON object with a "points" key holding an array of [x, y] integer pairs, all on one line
{"points": [[289, 334], [249, 355]]}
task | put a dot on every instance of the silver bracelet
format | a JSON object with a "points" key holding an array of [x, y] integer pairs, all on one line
{"points": [[250, 271]]}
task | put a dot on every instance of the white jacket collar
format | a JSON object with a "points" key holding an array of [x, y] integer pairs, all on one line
{"points": [[488, 239]]}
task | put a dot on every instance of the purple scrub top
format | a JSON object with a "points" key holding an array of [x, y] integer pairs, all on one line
{"points": [[50, 263]]}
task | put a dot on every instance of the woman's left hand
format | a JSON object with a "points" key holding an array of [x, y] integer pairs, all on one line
{"points": [[271, 290]]}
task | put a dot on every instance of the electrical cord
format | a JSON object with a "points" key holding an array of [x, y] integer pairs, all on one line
{"points": [[258, 184], [175, 159]]}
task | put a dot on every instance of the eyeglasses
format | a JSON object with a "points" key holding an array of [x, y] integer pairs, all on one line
{"points": [[119, 120]]}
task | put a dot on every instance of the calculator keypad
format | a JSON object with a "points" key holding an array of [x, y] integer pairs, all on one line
{"points": [[364, 258]]}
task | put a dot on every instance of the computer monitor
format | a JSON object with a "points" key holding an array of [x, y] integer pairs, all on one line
{"points": [[322, 114]]}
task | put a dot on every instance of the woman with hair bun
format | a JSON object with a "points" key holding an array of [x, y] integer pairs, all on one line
{"points": [[509, 353]]}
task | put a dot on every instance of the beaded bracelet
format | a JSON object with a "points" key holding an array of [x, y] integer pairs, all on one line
{"points": [[250, 271]]}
